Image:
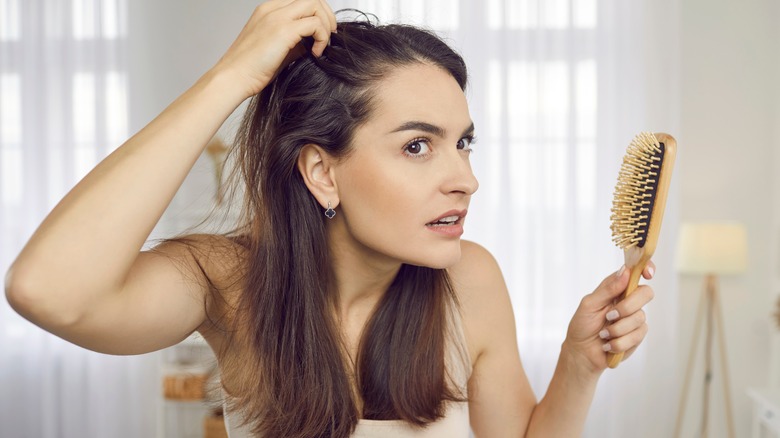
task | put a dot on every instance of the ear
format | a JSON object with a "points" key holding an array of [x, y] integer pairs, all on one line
{"points": [[318, 174]]}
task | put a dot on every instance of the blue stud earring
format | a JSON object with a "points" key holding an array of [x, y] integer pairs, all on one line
{"points": [[330, 212]]}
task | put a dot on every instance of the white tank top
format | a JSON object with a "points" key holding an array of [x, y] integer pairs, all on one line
{"points": [[454, 424]]}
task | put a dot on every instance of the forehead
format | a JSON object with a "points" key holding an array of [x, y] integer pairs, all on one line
{"points": [[419, 92]]}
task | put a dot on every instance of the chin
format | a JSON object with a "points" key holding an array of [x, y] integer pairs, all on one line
{"points": [[441, 259]]}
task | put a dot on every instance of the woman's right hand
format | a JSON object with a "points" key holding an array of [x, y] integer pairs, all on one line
{"points": [[271, 39]]}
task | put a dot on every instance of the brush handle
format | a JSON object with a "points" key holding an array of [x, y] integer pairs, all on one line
{"points": [[614, 359], [636, 258]]}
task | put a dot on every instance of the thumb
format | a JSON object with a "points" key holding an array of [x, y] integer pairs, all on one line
{"points": [[612, 287]]}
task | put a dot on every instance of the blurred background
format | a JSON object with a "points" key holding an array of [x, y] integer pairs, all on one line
{"points": [[558, 89]]}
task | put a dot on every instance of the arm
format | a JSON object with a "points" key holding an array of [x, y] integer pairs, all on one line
{"points": [[88, 245], [81, 275], [501, 401]]}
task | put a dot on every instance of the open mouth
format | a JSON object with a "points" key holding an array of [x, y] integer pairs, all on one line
{"points": [[446, 221]]}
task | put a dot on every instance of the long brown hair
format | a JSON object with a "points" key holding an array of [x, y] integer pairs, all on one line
{"points": [[297, 380]]}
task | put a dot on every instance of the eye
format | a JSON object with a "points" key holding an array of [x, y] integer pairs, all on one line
{"points": [[466, 142], [417, 148]]}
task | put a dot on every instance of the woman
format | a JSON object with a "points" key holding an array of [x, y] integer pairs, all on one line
{"points": [[345, 304]]}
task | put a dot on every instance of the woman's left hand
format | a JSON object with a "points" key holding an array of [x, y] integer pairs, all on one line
{"points": [[599, 326]]}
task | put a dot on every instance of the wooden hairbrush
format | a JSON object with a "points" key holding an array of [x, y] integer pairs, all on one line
{"points": [[638, 205]]}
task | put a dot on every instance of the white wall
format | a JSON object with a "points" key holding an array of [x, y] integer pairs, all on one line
{"points": [[170, 49], [172, 43], [729, 90]]}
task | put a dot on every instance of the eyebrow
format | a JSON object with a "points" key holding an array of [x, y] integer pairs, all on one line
{"points": [[416, 125]]}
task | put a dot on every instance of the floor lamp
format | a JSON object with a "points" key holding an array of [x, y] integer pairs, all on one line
{"points": [[710, 249]]}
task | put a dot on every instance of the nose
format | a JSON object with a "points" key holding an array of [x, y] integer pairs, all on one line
{"points": [[459, 176]]}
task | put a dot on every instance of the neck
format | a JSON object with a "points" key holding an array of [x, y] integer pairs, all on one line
{"points": [[361, 275]]}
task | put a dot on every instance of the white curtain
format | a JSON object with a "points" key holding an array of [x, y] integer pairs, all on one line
{"points": [[558, 88], [63, 107]]}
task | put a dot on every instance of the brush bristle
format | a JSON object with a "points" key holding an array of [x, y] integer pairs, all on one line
{"points": [[635, 191]]}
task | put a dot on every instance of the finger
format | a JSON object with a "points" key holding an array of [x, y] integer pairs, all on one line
{"points": [[304, 10], [638, 299], [323, 13], [312, 26], [624, 326], [330, 14], [626, 342], [273, 5], [297, 9], [326, 24], [265, 9], [609, 289], [649, 270]]}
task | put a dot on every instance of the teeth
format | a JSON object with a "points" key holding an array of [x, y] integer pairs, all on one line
{"points": [[447, 221]]}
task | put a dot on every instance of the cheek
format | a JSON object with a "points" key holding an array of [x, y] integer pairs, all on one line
{"points": [[385, 209], [383, 199]]}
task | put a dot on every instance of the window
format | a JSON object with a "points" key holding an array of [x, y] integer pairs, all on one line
{"points": [[533, 94], [63, 106]]}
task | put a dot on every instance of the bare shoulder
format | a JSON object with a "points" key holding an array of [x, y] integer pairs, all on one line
{"points": [[477, 277], [210, 258], [483, 296], [476, 266], [216, 265], [215, 262], [500, 398]]}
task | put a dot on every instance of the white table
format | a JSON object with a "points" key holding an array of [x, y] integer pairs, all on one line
{"points": [[766, 412]]}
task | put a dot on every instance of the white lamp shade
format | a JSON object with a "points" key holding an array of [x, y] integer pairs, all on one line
{"points": [[712, 248]]}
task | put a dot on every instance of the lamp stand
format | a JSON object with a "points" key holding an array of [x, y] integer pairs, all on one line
{"points": [[711, 301]]}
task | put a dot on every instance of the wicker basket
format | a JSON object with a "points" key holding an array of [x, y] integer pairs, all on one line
{"points": [[184, 386]]}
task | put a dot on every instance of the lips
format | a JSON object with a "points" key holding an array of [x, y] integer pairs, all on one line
{"points": [[460, 214]]}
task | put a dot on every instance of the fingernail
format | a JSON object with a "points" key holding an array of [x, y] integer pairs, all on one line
{"points": [[612, 315], [604, 334], [651, 271], [620, 271], [606, 347]]}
